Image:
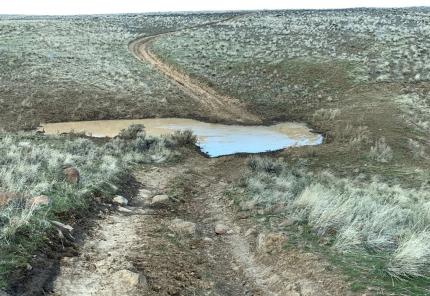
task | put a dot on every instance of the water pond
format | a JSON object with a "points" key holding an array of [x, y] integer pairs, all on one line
{"points": [[213, 139]]}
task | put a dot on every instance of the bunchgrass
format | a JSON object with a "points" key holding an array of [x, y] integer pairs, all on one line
{"points": [[31, 165], [357, 219]]}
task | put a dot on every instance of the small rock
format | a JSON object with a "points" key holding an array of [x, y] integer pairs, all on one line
{"points": [[160, 199], [207, 239], [120, 200], [221, 229], [146, 212], [144, 193], [183, 227], [248, 205], [71, 174], [250, 231], [124, 210], [129, 279], [62, 226], [37, 201], [28, 267], [60, 234], [286, 223], [243, 215]]}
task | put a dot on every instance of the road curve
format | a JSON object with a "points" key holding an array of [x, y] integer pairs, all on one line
{"points": [[214, 104]]}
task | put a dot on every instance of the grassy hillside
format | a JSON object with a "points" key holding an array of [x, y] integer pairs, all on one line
{"points": [[361, 76], [284, 58], [76, 68]]}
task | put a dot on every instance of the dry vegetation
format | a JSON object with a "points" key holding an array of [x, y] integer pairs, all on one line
{"points": [[79, 68], [359, 76], [283, 57], [380, 231], [31, 165]]}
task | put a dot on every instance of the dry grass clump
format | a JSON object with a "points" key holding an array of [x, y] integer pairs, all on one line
{"points": [[132, 132], [381, 151], [360, 136], [416, 107], [31, 165], [364, 219], [325, 115], [418, 150], [342, 132], [412, 257], [182, 138], [350, 134]]}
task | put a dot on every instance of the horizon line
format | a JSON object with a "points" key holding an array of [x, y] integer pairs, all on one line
{"points": [[219, 11]]}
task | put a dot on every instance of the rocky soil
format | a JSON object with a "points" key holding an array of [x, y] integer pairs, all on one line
{"points": [[179, 236]]}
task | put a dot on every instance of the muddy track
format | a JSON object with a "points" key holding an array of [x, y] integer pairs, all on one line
{"points": [[171, 247], [213, 104]]}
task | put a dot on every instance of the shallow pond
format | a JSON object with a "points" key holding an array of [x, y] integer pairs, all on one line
{"points": [[213, 139]]}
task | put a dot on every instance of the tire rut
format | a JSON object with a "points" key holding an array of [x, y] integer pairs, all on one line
{"points": [[145, 242], [214, 104]]}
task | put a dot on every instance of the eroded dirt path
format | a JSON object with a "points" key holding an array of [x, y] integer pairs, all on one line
{"points": [[214, 105], [170, 247]]}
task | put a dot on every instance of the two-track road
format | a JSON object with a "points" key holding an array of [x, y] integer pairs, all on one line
{"points": [[219, 106]]}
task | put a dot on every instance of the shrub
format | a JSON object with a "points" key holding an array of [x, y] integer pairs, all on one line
{"points": [[360, 136], [182, 138], [131, 132], [323, 116], [369, 219], [353, 135], [412, 258], [32, 164], [381, 152], [265, 164], [418, 150]]}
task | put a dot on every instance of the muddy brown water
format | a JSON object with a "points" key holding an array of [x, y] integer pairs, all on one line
{"points": [[213, 139]]}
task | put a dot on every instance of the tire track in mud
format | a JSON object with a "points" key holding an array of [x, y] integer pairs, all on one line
{"points": [[214, 104], [140, 242]]}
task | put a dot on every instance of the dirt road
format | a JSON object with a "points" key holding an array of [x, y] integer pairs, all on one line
{"points": [[170, 247], [180, 236], [213, 104]]}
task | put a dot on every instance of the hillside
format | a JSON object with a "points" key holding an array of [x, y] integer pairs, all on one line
{"points": [[79, 68]]}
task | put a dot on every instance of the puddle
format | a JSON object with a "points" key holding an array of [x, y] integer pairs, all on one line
{"points": [[213, 139]]}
